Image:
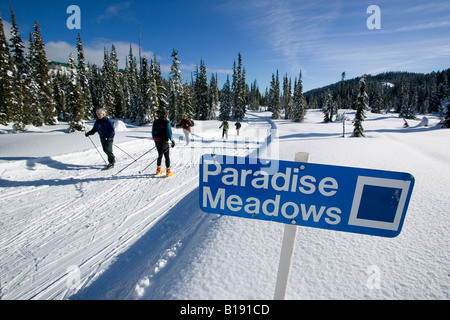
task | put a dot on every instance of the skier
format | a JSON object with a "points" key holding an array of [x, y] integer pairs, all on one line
{"points": [[225, 126], [105, 128], [238, 126], [162, 133], [186, 124]]}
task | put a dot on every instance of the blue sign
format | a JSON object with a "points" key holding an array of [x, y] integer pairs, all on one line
{"points": [[338, 198]]}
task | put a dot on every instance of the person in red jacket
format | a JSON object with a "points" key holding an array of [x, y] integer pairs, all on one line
{"points": [[186, 124]]}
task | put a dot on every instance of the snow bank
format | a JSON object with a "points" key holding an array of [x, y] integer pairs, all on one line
{"points": [[69, 230]]}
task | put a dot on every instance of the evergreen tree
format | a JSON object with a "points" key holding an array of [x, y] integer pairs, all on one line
{"points": [[188, 101], [213, 97], [6, 78], [126, 90], [175, 89], [20, 107], [255, 96], [132, 77], [115, 78], [40, 75], [108, 88], [274, 97], [201, 94], [83, 80], [226, 100], [96, 86], [34, 109], [361, 106], [376, 101], [328, 108], [75, 103], [299, 109], [59, 95], [146, 111], [239, 90], [159, 91], [286, 101]]}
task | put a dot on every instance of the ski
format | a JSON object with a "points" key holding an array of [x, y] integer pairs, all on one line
{"points": [[158, 175]]}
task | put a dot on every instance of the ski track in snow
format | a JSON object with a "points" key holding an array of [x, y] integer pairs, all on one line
{"points": [[52, 249], [74, 232]]}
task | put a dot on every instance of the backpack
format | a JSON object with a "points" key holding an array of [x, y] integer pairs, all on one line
{"points": [[160, 129]]}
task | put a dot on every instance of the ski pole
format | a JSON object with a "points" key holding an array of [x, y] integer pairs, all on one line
{"points": [[152, 162], [135, 161], [97, 150], [124, 152]]}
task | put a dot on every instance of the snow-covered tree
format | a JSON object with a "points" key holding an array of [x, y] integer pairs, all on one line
{"points": [[254, 96], [118, 110], [40, 74], [20, 107], [96, 86], [188, 101], [75, 103], [286, 100], [226, 100], [213, 97], [146, 112], [59, 84], [6, 78], [274, 97], [201, 93], [159, 96], [361, 107], [83, 79], [299, 108], [175, 96], [108, 88], [329, 107], [239, 90], [132, 78]]}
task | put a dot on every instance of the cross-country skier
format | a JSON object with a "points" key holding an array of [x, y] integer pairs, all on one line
{"points": [[186, 124], [162, 133], [238, 127], [225, 125], [105, 128]]}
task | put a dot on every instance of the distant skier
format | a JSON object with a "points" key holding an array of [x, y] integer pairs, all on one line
{"points": [[238, 126], [162, 133], [186, 124], [105, 128], [225, 125]]}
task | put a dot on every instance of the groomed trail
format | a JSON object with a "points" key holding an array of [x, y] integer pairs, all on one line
{"points": [[71, 231], [96, 219]]}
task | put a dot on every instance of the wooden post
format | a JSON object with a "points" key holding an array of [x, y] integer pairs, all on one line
{"points": [[287, 248]]}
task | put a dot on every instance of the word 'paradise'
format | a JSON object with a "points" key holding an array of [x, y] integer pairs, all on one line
{"points": [[290, 180]]}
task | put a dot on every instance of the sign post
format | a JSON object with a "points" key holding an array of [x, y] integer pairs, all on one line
{"points": [[287, 248], [355, 200]]}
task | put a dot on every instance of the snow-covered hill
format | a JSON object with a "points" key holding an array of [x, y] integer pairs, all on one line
{"points": [[69, 230]]}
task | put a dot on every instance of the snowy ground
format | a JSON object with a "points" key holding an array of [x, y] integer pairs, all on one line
{"points": [[71, 231]]}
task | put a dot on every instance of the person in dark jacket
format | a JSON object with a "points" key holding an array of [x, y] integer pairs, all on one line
{"points": [[106, 131], [162, 133]]}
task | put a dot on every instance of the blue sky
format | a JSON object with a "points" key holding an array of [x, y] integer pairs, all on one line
{"points": [[320, 38]]}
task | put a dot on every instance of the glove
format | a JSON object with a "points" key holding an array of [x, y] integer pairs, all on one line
{"points": [[173, 144]]}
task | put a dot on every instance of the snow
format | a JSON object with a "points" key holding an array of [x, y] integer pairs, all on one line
{"points": [[72, 231]]}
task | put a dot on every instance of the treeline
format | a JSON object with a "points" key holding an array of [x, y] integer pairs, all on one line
{"points": [[31, 93], [405, 93]]}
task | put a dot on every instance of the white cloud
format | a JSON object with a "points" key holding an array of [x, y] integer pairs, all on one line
{"points": [[119, 10], [94, 51]]}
